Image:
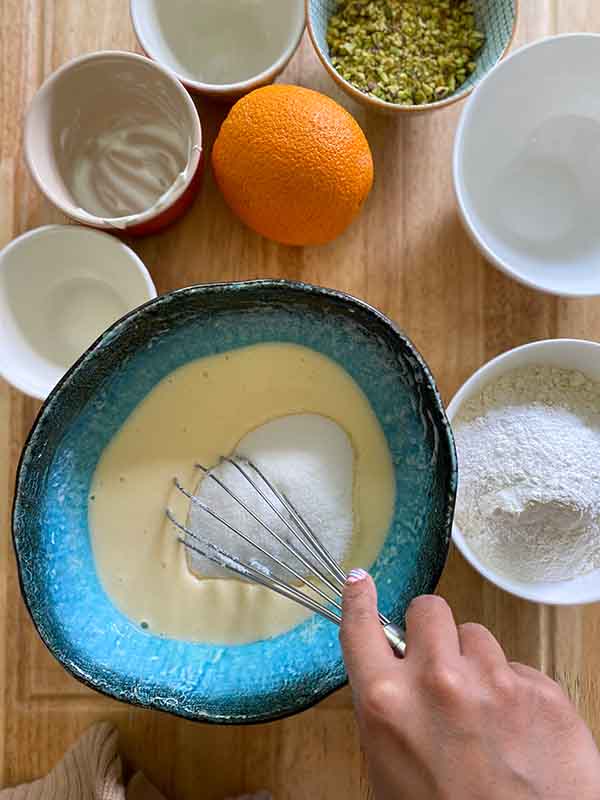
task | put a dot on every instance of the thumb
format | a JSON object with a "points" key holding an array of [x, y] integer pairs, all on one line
{"points": [[366, 648]]}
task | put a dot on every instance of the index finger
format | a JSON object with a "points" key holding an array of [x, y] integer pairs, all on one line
{"points": [[367, 651]]}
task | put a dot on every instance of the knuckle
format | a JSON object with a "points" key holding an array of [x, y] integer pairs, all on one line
{"points": [[379, 699], [551, 695], [445, 683], [504, 684], [427, 604], [524, 673], [543, 691], [474, 629]]}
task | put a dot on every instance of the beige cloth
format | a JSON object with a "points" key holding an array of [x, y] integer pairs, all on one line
{"points": [[92, 770]]}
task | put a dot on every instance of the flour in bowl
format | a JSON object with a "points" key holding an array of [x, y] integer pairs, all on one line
{"points": [[529, 484]]}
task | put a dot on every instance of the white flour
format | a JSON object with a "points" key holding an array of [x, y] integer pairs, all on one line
{"points": [[529, 487]]}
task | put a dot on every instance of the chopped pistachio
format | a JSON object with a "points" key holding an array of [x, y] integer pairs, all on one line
{"points": [[405, 51]]}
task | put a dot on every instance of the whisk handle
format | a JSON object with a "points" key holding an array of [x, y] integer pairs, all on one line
{"points": [[395, 636]]}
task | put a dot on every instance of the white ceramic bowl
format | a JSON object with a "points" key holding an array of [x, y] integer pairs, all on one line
{"points": [[223, 48], [527, 165], [114, 141], [567, 354], [61, 286]]}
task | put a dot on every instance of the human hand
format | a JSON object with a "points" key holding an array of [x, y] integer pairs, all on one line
{"points": [[455, 720]]}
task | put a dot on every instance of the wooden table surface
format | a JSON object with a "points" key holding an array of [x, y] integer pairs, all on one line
{"points": [[408, 255]]}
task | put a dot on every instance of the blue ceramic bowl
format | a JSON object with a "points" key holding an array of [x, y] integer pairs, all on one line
{"points": [[497, 19], [248, 683]]}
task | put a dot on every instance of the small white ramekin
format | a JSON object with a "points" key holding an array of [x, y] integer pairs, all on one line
{"points": [[61, 286], [166, 31], [83, 96], [562, 353]]}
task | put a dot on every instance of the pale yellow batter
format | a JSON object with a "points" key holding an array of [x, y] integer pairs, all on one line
{"points": [[196, 414]]}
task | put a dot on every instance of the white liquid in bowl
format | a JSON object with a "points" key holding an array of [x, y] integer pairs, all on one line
{"points": [[527, 165], [218, 42], [61, 286], [77, 313], [543, 201]]}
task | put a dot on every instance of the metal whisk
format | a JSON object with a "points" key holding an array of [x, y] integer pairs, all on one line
{"points": [[322, 595]]}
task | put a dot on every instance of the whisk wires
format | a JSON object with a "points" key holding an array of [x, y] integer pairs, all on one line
{"points": [[304, 546]]}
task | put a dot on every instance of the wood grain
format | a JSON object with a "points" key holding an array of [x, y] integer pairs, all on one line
{"points": [[408, 255]]}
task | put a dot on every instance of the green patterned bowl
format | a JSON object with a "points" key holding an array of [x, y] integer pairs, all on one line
{"points": [[496, 18]]}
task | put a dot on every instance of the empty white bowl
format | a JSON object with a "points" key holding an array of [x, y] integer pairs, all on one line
{"points": [[566, 354], [224, 48], [527, 165], [61, 286]]}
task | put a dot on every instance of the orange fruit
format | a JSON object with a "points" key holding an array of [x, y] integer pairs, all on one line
{"points": [[292, 164]]}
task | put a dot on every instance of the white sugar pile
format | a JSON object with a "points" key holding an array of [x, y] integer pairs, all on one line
{"points": [[307, 457]]}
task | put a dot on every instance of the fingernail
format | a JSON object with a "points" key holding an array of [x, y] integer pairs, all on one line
{"points": [[356, 575]]}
